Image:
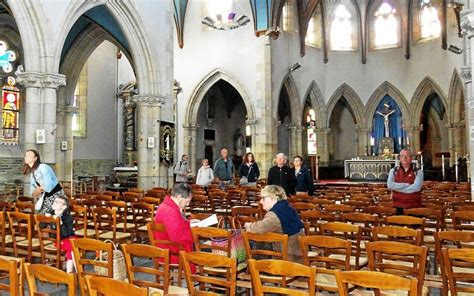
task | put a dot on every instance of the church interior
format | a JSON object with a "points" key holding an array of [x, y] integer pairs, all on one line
{"points": [[113, 92]]}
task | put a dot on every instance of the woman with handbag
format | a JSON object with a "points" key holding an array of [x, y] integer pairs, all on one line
{"points": [[44, 184], [248, 170]]}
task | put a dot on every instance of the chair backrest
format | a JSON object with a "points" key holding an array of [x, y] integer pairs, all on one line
{"points": [[397, 233], [25, 207], [281, 240], [153, 227], [108, 286], [462, 220], [375, 280], [11, 268], [283, 269], [398, 258], [459, 268], [160, 269], [407, 221], [225, 280], [51, 275], [346, 231], [105, 220], [434, 219], [3, 231], [82, 247], [49, 229], [203, 237], [80, 218], [21, 226], [316, 217]]}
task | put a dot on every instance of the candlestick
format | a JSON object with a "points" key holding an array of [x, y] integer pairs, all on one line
{"points": [[455, 157]]}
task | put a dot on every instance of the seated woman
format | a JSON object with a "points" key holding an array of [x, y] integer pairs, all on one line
{"points": [[280, 218]]}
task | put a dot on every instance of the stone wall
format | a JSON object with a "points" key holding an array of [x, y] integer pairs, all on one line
{"points": [[93, 167], [10, 170]]}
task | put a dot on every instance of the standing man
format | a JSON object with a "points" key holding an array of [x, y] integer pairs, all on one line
{"points": [[182, 170], [405, 182], [282, 175], [224, 168]]}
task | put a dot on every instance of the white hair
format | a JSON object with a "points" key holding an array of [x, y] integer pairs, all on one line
{"points": [[281, 155]]}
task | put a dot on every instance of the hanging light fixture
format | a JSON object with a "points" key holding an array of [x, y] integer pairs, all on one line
{"points": [[223, 17]]}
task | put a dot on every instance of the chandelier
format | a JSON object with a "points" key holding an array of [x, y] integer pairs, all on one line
{"points": [[223, 17]]}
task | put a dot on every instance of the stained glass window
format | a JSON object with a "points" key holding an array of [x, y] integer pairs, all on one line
{"points": [[386, 26], [430, 26], [311, 132], [10, 112], [7, 56], [341, 29]]}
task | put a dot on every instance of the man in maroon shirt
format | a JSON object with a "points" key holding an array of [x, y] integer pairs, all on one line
{"points": [[405, 182]]}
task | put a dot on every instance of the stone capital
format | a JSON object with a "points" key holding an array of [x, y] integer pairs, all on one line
{"points": [[191, 126], [467, 22], [251, 122], [149, 100], [466, 74], [41, 80], [67, 109]]}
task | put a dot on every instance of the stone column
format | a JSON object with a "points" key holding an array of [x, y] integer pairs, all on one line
{"points": [[189, 145], [363, 141], [148, 159], [40, 106], [296, 141], [456, 138], [65, 158], [467, 25], [414, 136], [322, 146]]}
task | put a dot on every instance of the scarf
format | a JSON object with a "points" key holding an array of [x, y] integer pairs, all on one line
{"points": [[289, 219]]}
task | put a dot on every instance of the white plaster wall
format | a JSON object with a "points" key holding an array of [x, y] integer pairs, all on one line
{"points": [[125, 71], [233, 52], [101, 123]]}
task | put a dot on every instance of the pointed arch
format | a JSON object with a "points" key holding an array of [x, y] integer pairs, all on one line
{"points": [[318, 104], [456, 98], [133, 28], [353, 99], [203, 87], [296, 111], [386, 88], [424, 89], [34, 27]]}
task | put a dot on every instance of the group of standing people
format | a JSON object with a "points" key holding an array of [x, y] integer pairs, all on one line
{"points": [[294, 180]]}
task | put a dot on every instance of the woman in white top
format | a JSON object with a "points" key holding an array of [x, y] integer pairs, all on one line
{"points": [[205, 174]]}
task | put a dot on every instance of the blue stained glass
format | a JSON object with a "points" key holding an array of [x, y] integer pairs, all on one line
{"points": [[6, 57]]}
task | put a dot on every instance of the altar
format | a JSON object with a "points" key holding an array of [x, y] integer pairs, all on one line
{"points": [[368, 169]]}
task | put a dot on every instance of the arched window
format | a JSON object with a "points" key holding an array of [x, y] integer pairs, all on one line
{"points": [[79, 118], [314, 34], [219, 9], [386, 27], [10, 112], [341, 29], [311, 132], [430, 26], [287, 17]]}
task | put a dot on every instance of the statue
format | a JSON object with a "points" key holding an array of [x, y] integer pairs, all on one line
{"points": [[239, 143], [386, 112]]}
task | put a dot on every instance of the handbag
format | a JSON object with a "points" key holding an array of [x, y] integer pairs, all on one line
{"points": [[245, 179], [39, 202], [237, 247], [119, 271]]}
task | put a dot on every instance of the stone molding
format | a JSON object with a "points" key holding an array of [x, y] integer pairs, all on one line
{"points": [[41, 80], [149, 100], [466, 74], [67, 109]]}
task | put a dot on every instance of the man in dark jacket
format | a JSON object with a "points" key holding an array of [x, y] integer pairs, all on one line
{"points": [[282, 175]]}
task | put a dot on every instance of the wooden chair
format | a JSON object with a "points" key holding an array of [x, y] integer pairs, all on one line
{"points": [[203, 236], [400, 259], [268, 238], [317, 251], [450, 239], [83, 248], [25, 207], [303, 206], [142, 215], [21, 227], [366, 221], [314, 218], [407, 221], [397, 233], [6, 239], [375, 280], [81, 222], [160, 269], [282, 269], [13, 268], [105, 223], [349, 232], [206, 282], [459, 269], [153, 228], [107, 286], [220, 204], [124, 215], [50, 238], [51, 275], [463, 220]]}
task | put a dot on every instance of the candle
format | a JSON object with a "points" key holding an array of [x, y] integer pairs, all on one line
{"points": [[372, 141], [421, 160], [408, 140], [442, 165], [400, 141], [455, 157]]}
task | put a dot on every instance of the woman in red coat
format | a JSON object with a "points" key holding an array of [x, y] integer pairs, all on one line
{"points": [[171, 214]]}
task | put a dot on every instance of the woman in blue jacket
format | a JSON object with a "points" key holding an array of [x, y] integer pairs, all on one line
{"points": [[304, 181]]}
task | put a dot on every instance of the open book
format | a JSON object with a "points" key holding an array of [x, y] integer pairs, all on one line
{"points": [[211, 220]]}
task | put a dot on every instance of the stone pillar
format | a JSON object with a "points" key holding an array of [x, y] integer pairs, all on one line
{"points": [[322, 146], [65, 158], [296, 141], [189, 145], [467, 25], [265, 141], [363, 141], [40, 106], [148, 121], [414, 138], [456, 138]]}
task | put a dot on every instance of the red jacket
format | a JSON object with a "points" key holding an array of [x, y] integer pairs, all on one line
{"points": [[178, 229], [406, 200]]}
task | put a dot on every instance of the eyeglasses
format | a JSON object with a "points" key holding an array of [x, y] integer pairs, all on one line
{"points": [[404, 156]]}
